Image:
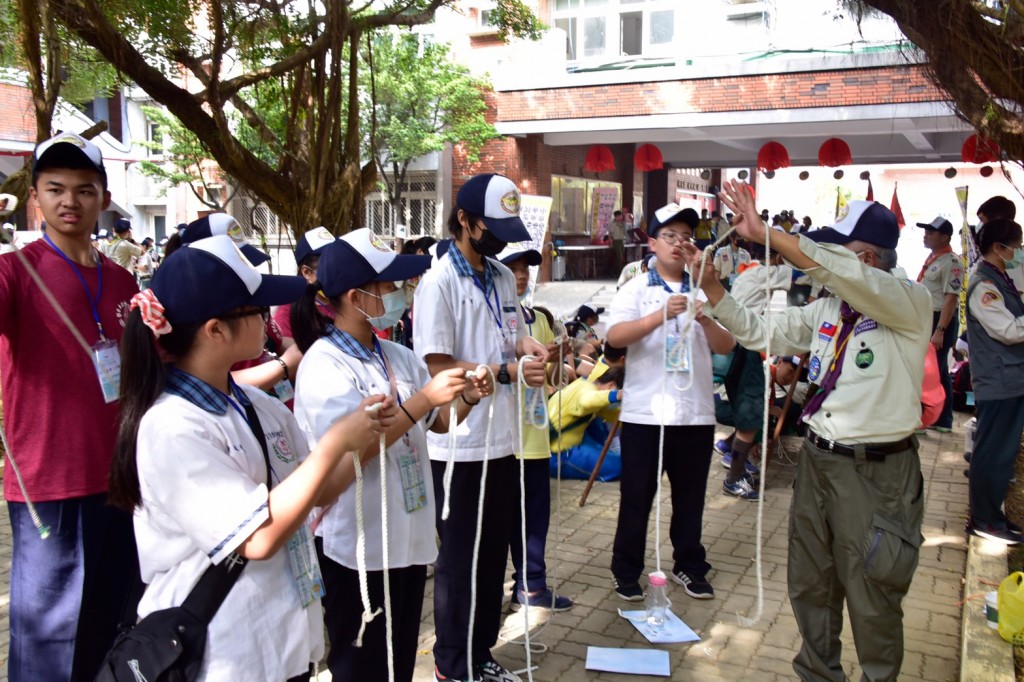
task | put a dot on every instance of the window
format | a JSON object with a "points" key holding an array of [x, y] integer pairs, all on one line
{"points": [[418, 210], [576, 205], [159, 227], [155, 135], [608, 29], [487, 19], [215, 194]]}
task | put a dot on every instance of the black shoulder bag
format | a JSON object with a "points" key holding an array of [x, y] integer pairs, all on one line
{"points": [[168, 645]]}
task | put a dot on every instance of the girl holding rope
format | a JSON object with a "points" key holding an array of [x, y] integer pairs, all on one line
{"points": [[212, 469], [344, 362]]}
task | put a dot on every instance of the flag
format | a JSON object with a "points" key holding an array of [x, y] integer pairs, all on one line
{"points": [[895, 208], [969, 251], [871, 192], [842, 208]]}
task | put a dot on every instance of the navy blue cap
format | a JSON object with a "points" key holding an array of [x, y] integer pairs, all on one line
{"points": [[496, 200], [221, 223], [210, 277], [672, 213], [865, 221], [313, 242], [511, 255], [360, 257], [121, 225]]}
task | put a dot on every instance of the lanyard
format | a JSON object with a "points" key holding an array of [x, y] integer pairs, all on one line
{"points": [[93, 302], [496, 310], [385, 366], [529, 316], [1006, 278]]}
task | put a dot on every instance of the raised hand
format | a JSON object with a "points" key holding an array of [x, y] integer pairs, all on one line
{"points": [[739, 197]]}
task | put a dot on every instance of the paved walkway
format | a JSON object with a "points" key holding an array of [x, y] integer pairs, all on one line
{"points": [[727, 650]]}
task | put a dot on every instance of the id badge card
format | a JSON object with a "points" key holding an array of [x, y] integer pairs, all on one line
{"points": [[304, 566], [677, 353], [410, 468], [284, 390], [106, 359], [539, 414]]}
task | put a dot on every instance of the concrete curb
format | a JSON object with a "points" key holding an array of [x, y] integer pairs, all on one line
{"points": [[984, 655]]}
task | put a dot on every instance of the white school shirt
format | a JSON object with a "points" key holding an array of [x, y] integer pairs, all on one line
{"points": [[645, 361], [330, 384], [453, 319], [203, 482]]}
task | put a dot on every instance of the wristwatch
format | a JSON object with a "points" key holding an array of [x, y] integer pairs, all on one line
{"points": [[503, 376]]}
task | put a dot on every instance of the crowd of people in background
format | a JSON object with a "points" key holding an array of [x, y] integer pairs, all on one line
{"points": [[318, 445]]}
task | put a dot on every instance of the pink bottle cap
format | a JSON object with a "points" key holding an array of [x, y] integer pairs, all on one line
{"points": [[657, 579]]}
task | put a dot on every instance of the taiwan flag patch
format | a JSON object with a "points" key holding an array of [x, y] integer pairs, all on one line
{"points": [[827, 331]]}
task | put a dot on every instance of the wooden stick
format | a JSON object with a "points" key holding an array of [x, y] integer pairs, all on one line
{"points": [[600, 461]]}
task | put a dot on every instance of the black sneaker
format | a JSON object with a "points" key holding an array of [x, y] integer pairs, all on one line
{"points": [[989, 532], [491, 671], [697, 586], [629, 590], [544, 599]]}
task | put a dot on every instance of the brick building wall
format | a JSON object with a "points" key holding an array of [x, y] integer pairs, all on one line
{"points": [[849, 87], [17, 116]]}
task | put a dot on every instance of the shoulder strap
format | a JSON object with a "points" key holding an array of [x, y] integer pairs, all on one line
{"points": [[209, 593]]}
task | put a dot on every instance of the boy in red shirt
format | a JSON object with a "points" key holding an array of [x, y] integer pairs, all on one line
{"points": [[69, 590]]}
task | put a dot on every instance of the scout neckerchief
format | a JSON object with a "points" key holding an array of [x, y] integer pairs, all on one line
{"points": [[932, 257], [849, 318]]}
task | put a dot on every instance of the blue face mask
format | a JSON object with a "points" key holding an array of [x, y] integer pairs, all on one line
{"points": [[394, 307], [1016, 260]]}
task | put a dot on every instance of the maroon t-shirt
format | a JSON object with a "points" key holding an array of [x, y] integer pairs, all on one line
{"points": [[283, 317], [59, 429]]}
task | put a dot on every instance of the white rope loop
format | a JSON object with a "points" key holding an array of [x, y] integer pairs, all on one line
{"points": [[479, 522], [524, 392], [449, 466], [385, 556], [364, 590]]}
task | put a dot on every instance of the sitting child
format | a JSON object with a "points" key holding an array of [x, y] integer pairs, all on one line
{"points": [[572, 408]]}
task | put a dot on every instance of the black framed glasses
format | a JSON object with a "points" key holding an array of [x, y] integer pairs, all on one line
{"points": [[239, 314]]}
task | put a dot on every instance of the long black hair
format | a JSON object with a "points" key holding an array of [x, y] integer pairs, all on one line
{"points": [[308, 324], [142, 381]]}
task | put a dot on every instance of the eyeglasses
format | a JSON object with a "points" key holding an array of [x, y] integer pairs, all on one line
{"points": [[239, 314], [671, 238]]}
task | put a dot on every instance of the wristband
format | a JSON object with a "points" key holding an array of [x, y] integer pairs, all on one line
{"points": [[940, 329], [402, 408], [284, 366], [613, 397], [466, 400]]}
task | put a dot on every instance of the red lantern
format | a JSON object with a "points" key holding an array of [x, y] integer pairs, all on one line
{"points": [[834, 152], [772, 156], [978, 149], [599, 159], [648, 158]]}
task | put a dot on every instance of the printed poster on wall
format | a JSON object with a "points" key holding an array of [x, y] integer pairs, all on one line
{"points": [[604, 201], [534, 211]]}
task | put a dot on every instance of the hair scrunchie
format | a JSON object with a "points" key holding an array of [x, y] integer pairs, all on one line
{"points": [[152, 312]]}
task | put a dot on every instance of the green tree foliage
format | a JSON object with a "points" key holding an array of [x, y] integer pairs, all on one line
{"points": [[417, 100], [269, 87], [975, 52]]}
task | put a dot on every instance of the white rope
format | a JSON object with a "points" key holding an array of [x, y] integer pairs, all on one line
{"points": [[364, 590], [525, 422], [479, 522], [385, 551], [769, 398], [449, 467]]}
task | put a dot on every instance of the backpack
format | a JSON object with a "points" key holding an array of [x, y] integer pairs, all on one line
{"points": [[963, 389]]}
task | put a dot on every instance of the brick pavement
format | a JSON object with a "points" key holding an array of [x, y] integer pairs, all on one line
{"points": [[727, 650]]}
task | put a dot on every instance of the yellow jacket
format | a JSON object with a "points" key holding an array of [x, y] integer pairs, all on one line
{"points": [[572, 409]]}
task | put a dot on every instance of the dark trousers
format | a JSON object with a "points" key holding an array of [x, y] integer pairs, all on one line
{"points": [[452, 579], [343, 612], [948, 339], [71, 591], [537, 473], [687, 457], [995, 450]]}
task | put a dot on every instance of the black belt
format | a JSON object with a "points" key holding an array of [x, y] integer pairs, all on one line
{"points": [[875, 452]]}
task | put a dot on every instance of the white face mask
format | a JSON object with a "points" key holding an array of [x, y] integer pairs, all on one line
{"points": [[394, 307]]}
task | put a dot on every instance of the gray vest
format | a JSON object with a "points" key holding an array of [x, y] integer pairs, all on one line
{"points": [[997, 369]]}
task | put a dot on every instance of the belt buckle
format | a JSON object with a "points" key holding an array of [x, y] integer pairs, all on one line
{"points": [[826, 444]]}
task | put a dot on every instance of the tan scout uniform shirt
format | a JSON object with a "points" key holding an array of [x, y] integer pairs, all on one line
{"points": [[124, 253], [727, 262], [877, 398], [943, 276]]}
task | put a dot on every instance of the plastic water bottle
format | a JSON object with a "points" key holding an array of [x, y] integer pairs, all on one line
{"points": [[657, 599]]}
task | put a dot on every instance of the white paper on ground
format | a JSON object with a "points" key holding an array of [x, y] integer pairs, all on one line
{"points": [[629, 661], [672, 632]]}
